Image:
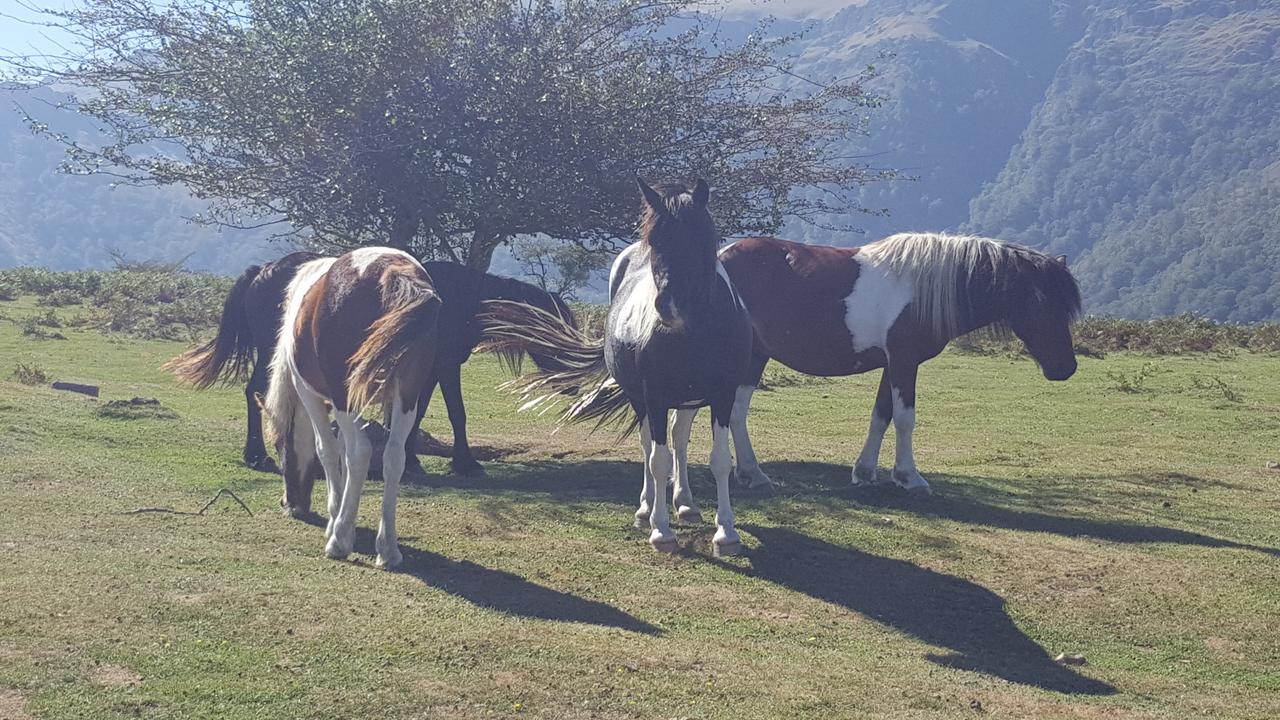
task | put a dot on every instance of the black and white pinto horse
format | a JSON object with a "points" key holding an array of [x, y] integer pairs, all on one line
{"points": [[892, 304], [676, 338], [253, 312]]}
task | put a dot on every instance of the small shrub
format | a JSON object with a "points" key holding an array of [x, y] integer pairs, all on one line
{"points": [[30, 374], [1217, 386], [1134, 382], [32, 328], [61, 297]]}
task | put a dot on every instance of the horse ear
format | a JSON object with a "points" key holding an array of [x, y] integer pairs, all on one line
{"points": [[1061, 260], [651, 198], [701, 193]]}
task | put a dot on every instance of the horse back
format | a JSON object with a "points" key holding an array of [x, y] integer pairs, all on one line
{"points": [[796, 296]]}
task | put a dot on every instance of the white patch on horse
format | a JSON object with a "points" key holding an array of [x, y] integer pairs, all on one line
{"points": [[724, 275], [905, 473], [879, 296], [725, 249], [362, 258], [637, 315], [307, 276]]}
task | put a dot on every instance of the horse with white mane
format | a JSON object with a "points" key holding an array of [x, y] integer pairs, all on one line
{"points": [[892, 304]]}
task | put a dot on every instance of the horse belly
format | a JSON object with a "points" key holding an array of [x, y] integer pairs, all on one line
{"points": [[824, 349]]}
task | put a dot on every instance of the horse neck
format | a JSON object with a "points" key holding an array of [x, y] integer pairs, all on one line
{"points": [[986, 300]]}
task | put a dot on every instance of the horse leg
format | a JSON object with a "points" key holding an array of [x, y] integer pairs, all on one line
{"points": [[726, 540], [748, 472], [255, 451], [412, 465], [393, 457], [648, 493], [356, 452], [686, 510], [298, 453], [451, 387], [864, 471], [904, 422], [660, 537], [328, 447]]}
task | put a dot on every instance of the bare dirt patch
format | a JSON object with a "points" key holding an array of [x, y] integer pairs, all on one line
{"points": [[115, 676], [13, 706]]}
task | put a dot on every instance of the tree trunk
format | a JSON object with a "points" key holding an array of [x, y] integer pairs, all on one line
{"points": [[403, 229], [480, 252]]}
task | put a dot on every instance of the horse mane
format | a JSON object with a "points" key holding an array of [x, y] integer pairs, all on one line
{"points": [[943, 268], [677, 198]]}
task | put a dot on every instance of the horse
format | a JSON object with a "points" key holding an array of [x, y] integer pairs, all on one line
{"points": [[246, 339], [677, 337], [250, 323], [892, 304], [357, 329]]}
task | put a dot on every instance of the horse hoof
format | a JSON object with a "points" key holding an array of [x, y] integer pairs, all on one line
{"points": [[662, 543], [263, 464], [753, 479], [467, 469], [295, 512], [390, 561], [690, 516], [732, 549], [334, 550], [864, 476], [913, 483]]}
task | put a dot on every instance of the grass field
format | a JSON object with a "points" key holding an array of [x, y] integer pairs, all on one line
{"points": [[1124, 515]]}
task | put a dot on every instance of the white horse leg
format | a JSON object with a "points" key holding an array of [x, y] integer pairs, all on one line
{"points": [[660, 537], [328, 447], [905, 473], [748, 472], [393, 459], [864, 471], [358, 449], [726, 540], [647, 487], [681, 426]]}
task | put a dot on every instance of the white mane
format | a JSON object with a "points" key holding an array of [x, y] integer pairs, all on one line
{"points": [[934, 263]]}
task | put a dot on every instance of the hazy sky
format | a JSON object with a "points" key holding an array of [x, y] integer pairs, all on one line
{"points": [[17, 37]]}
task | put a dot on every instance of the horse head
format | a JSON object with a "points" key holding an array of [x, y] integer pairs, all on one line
{"points": [[1044, 301], [681, 236]]}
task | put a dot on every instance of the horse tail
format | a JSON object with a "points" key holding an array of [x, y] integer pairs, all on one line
{"points": [[227, 356], [407, 327], [281, 407], [511, 327]]}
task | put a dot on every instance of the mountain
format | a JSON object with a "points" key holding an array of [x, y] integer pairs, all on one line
{"points": [[1153, 160], [959, 91], [69, 222]]}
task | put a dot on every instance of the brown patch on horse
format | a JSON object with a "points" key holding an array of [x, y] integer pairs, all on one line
{"points": [[796, 296]]}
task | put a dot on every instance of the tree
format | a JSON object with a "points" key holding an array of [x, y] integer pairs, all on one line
{"points": [[562, 268], [450, 127]]}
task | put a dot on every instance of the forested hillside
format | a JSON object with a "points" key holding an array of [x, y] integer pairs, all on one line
{"points": [[71, 222], [1153, 159]]}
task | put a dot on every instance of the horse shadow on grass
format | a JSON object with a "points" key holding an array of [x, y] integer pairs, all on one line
{"points": [[970, 500], [501, 590], [967, 619]]}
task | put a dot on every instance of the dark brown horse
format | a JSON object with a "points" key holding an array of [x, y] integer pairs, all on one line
{"points": [[251, 321], [892, 304], [358, 328]]}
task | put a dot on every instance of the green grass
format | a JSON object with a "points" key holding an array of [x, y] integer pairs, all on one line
{"points": [[1136, 527]]}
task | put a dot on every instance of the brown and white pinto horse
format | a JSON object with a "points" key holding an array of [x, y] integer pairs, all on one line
{"points": [[356, 329], [892, 304]]}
